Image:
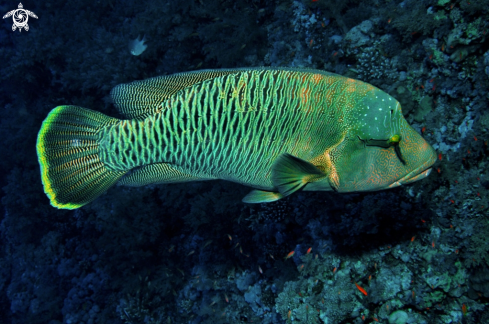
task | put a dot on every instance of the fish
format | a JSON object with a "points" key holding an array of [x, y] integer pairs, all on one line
{"points": [[289, 255], [137, 46], [309, 250], [363, 291], [276, 130], [464, 309]]}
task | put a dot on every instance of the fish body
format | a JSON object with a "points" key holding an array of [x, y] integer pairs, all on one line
{"points": [[276, 130], [363, 291], [289, 255]]}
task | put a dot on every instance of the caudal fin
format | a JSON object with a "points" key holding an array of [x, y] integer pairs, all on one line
{"points": [[68, 152]]}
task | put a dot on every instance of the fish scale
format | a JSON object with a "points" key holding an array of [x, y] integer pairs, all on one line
{"points": [[274, 129], [206, 128]]}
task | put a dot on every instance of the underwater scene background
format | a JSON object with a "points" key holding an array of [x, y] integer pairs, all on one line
{"points": [[193, 252]]}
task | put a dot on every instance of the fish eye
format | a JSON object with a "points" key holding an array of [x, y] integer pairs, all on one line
{"points": [[392, 141]]}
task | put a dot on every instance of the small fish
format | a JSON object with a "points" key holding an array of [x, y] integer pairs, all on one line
{"points": [[389, 21], [433, 244], [259, 269], [375, 319], [334, 270], [302, 267], [464, 309], [288, 314], [310, 43], [413, 294], [272, 257], [230, 237], [475, 138], [226, 298], [291, 254], [369, 278], [439, 156], [309, 250], [207, 244], [423, 129], [137, 46], [363, 291], [443, 47], [412, 238], [363, 317], [191, 252]]}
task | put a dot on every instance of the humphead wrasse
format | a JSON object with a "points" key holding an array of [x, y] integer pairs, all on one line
{"points": [[277, 130]]}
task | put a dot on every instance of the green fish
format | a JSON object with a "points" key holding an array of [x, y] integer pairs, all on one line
{"points": [[277, 130]]}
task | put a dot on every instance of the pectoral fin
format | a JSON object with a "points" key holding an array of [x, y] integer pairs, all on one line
{"points": [[289, 174], [259, 196]]}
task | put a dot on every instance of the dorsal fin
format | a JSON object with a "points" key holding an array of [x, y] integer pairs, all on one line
{"points": [[139, 99]]}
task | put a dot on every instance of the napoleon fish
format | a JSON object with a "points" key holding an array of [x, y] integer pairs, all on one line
{"points": [[277, 130]]}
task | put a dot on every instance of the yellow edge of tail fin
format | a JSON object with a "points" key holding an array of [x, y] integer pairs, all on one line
{"points": [[68, 153]]}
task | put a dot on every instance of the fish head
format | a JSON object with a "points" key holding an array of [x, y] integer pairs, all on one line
{"points": [[380, 149]]}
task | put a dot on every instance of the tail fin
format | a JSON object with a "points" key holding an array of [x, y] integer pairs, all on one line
{"points": [[68, 151]]}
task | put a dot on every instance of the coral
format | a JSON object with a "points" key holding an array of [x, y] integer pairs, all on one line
{"points": [[373, 65], [398, 317]]}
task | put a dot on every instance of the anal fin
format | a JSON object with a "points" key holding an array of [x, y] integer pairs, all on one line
{"points": [[259, 196]]}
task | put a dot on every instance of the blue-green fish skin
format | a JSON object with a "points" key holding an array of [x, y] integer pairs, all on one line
{"points": [[276, 130]]}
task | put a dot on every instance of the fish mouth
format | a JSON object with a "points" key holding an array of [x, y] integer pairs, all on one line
{"points": [[412, 177]]}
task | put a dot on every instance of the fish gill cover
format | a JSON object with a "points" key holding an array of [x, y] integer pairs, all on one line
{"points": [[193, 252]]}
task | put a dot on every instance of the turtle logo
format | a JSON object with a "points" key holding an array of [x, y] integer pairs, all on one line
{"points": [[20, 17]]}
